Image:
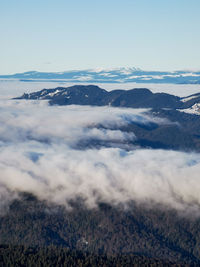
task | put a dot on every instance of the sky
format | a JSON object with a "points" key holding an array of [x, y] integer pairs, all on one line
{"points": [[61, 35]]}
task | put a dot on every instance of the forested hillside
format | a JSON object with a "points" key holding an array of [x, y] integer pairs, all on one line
{"points": [[118, 233]]}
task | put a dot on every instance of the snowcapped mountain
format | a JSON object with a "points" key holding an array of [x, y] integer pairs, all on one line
{"points": [[116, 75]]}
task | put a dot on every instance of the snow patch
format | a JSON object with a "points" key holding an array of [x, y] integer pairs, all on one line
{"points": [[189, 98], [190, 74], [195, 109], [54, 93]]}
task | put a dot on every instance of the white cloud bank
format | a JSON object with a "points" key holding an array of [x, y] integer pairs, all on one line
{"points": [[37, 155]]}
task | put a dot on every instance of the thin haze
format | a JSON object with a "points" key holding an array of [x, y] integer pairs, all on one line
{"points": [[62, 35]]}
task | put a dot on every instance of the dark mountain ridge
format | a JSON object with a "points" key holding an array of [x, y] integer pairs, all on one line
{"points": [[95, 96]]}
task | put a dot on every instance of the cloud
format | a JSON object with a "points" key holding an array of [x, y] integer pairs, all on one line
{"points": [[108, 174], [39, 154], [21, 121]]}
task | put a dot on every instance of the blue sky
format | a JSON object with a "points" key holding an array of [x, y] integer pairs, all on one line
{"points": [[49, 35]]}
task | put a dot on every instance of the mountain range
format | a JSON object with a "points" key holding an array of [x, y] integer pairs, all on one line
{"points": [[96, 96], [117, 75]]}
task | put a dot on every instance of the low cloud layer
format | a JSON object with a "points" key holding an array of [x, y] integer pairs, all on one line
{"points": [[39, 154]]}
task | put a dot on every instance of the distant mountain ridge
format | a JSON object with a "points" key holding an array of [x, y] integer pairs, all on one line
{"points": [[95, 96], [117, 75]]}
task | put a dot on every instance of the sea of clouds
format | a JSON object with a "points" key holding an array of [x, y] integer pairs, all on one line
{"points": [[41, 153]]}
